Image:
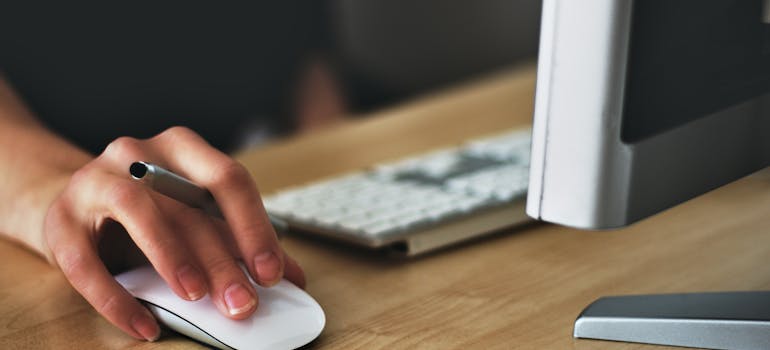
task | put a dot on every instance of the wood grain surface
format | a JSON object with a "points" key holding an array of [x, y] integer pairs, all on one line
{"points": [[519, 289]]}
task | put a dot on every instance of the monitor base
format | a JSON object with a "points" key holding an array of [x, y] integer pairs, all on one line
{"points": [[725, 320]]}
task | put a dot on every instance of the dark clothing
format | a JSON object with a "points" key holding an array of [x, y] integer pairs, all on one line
{"points": [[108, 69]]}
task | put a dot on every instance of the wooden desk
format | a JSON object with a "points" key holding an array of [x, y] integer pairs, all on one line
{"points": [[517, 289]]}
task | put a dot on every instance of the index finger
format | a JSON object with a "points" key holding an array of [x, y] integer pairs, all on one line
{"points": [[236, 194], [78, 259]]}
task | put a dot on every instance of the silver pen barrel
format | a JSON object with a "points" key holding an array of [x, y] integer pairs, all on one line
{"points": [[172, 185]]}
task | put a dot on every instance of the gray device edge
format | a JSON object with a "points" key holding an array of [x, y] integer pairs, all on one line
{"points": [[716, 320]]}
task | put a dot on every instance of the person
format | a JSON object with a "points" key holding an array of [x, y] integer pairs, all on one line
{"points": [[90, 76]]}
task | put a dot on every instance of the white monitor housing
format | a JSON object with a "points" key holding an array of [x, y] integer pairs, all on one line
{"points": [[587, 173], [582, 173]]}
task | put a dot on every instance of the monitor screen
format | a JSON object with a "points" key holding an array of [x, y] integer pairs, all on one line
{"points": [[683, 66]]}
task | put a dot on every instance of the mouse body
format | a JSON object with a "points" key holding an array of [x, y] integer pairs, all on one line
{"points": [[286, 318]]}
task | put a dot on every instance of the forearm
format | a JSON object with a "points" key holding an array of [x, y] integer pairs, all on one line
{"points": [[35, 165]]}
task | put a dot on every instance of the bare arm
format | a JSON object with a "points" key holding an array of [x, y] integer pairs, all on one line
{"points": [[35, 165]]}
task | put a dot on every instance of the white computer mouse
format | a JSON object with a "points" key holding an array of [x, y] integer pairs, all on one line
{"points": [[286, 318]]}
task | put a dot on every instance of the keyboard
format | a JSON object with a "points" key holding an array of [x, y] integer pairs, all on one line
{"points": [[420, 203]]}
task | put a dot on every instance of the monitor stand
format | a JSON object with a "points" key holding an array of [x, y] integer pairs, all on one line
{"points": [[729, 320]]}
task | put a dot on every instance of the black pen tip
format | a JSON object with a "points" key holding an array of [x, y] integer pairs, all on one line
{"points": [[138, 170]]}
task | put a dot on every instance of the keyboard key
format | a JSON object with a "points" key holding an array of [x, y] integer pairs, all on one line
{"points": [[399, 196]]}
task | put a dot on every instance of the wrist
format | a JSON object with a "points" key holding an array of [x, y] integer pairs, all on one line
{"points": [[35, 166], [40, 172], [26, 226]]}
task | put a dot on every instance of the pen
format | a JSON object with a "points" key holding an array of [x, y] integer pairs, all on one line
{"points": [[172, 185]]}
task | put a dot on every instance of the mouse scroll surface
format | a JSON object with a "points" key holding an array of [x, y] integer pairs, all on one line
{"points": [[286, 317]]}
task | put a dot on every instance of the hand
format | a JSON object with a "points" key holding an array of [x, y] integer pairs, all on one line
{"points": [[194, 253]]}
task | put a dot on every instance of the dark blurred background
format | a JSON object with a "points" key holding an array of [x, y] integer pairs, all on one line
{"points": [[242, 73], [394, 49]]}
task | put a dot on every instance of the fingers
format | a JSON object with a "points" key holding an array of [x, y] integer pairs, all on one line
{"points": [[76, 255], [194, 254], [231, 290], [294, 273], [235, 193], [131, 204], [192, 258], [292, 270]]}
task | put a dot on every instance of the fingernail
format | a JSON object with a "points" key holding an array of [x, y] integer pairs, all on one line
{"points": [[192, 282], [238, 299], [268, 267], [144, 324]]}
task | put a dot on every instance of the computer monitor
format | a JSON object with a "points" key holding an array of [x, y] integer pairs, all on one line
{"points": [[641, 105]]}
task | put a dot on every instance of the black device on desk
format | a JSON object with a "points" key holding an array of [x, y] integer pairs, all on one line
{"points": [[642, 105]]}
